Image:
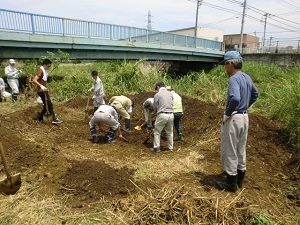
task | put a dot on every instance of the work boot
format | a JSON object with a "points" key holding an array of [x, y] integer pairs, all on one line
{"points": [[240, 178], [156, 150], [127, 125], [229, 185], [96, 139], [15, 97], [180, 136], [111, 140], [110, 136]]}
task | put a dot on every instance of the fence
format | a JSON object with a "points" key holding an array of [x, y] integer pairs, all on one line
{"points": [[50, 25]]}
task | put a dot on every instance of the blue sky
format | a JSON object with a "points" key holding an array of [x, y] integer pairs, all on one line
{"points": [[166, 15]]}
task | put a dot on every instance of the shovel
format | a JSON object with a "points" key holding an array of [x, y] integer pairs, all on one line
{"points": [[203, 142], [11, 184], [87, 107], [47, 114], [147, 139], [140, 127]]}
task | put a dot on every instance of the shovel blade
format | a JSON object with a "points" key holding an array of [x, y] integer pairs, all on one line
{"points": [[10, 186], [138, 128]]}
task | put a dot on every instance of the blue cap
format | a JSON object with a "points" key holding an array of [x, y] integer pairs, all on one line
{"points": [[231, 55]]}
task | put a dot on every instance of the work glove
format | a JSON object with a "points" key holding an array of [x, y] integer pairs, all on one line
{"points": [[130, 109], [20, 71], [225, 118], [90, 90], [43, 88]]}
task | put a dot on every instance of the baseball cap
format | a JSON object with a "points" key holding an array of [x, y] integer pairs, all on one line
{"points": [[169, 88], [231, 55], [12, 61]]}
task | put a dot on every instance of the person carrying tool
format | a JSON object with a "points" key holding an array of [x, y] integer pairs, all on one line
{"points": [[148, 111], [163, 108], [242, 93], [98, 91], [177, 110], [13, 75], [124, 106], [40, 80], [108, 115]]}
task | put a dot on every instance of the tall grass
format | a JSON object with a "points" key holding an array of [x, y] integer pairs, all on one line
{"points": [[279, 91]]}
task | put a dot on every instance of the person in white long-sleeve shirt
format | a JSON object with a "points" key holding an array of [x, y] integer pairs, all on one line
{"points": [[98, 91], [13, 75], [148, 111]]}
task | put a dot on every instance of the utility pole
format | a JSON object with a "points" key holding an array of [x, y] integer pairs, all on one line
{"points": [[149, 21], [265, 27], [199, 3], [270, 44], [242, 26]]}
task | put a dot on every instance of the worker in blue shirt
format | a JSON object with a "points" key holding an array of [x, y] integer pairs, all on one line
{"points": [[242, 93]]}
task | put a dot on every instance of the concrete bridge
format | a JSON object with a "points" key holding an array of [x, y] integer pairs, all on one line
{"points": [[29, 36]]}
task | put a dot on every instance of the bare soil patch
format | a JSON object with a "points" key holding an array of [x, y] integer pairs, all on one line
{"points": [[63, 161]]}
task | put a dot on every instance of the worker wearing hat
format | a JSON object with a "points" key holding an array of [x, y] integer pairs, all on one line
{"points": [[13, 75], [242, 93], [124, 107]]}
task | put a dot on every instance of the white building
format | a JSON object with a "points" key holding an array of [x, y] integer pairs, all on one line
{"points": [[202, 32]]}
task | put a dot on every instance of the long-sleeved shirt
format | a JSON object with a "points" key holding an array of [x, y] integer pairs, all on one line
{"points": [[125, 102], [163, 101], [177, 103], [12, 72], [2, 85], [242, 93], [98, 88]]}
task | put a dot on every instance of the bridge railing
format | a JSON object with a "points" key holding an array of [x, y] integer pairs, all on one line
{"points": [[42, 24]]}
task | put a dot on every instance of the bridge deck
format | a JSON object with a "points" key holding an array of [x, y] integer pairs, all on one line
{"points": [[26, 35]]}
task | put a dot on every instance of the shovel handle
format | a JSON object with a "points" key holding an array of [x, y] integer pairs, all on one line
{"points": [[4, 162]]}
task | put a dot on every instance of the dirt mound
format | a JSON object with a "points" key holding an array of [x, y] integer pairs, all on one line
{"points": [[64, 157]]}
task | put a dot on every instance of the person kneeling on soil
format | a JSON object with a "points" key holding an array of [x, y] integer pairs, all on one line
{"points": [[108, 115]]}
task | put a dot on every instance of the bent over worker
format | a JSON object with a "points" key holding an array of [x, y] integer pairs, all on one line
{"points": [[105, 114], [242, 93], [148, 111], [124, 107]]}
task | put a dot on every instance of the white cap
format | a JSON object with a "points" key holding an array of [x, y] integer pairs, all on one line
{"points": [[12, 61], [169, 88]]}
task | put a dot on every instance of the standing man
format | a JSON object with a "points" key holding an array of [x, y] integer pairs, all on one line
{"points": [[13, 75], [163, 108], [98, 91], [105, 114], [177, 110], [242, 93], [40, 80], [148, 111], [124, 106]]}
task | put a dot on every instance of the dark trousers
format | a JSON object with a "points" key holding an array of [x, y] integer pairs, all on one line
{"points": [[177, 119], [43, 96]]}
